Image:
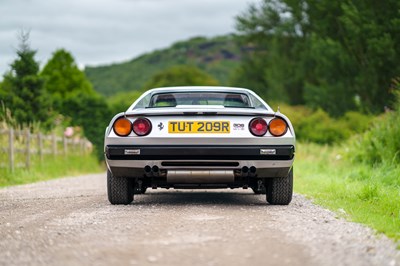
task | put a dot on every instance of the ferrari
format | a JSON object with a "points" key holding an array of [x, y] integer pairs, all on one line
{"points": [[200, 138]]}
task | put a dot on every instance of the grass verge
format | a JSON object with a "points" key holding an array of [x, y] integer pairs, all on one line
{"points": [[361, 193], [50, 168]]}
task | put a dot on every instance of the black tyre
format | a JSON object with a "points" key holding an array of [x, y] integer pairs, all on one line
{"points": [[280, 190], [119, 189]]}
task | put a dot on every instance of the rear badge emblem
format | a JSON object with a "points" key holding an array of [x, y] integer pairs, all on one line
{"points": [[161, 126], [132, 152], [268, 151], [238, 126]]}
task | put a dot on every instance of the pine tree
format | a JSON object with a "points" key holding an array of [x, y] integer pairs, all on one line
{"points": [[64, 80], [22, 90], [74, 97]]}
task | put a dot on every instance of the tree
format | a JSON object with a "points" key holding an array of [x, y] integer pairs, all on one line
{"points": [[181, 76], [22, 90], [75, 98], [63, 79], [278, 59], [92, 113], [339, 55], [250, 75], [366, 35]]}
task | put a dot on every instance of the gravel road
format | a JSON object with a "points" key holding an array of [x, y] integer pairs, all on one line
{"points": [[69, 221]]}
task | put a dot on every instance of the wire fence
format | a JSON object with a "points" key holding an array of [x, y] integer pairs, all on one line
{"points": [[22, 149]]}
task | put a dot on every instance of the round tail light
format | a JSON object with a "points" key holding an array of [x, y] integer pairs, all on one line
{"points": [[258, 127], [277, 127], [122, 127], [142, 127]]}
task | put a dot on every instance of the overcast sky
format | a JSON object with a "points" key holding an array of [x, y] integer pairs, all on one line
{"points": [[106, 31]]}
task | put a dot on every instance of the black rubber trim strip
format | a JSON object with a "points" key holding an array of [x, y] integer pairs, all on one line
{"points": [[194, 152]]}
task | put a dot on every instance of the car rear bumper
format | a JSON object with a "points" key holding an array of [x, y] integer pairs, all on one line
{"points": [[131, 160], [193, 152]]}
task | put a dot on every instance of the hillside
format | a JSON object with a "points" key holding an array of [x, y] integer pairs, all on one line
{"points": [[217, 56]]}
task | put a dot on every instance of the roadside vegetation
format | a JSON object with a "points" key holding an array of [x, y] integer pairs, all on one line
{"points": [[359, 177], [58, 95], [357, 191], [48, 101], [38, 156], [51, 168]]}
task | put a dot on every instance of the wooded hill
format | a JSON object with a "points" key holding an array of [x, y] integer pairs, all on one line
{"points": [[217, 56]]}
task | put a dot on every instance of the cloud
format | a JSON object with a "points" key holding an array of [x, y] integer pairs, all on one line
{"points": [[106, 31]]}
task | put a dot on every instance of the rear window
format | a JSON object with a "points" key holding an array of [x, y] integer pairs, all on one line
{"points": [[238, 100]]}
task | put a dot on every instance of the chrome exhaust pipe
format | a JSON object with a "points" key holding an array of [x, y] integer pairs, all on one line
{"points": [[245, 171], [253, 171], [147, 170], [200, 176], [155, 170]]}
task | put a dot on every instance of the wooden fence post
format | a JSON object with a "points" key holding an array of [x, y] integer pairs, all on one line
{"points": [[40, 146], [11, 148], [28, 149], [23, 141], [83, 146], [65, 145]]}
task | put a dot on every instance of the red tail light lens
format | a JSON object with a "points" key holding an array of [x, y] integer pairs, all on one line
{"points": [[142, 127], [258, 127]]}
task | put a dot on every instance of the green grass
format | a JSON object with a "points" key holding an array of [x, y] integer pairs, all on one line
{"points": [[51, 168], [357, 191]]}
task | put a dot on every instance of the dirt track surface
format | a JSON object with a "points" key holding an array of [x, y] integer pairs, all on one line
{"points": [[70, 222]]}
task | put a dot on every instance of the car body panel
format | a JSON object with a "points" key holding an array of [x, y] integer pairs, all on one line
{"points": [[175, 155]]}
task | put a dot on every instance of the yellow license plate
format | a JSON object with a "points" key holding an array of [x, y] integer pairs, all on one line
{"points": [[198, 126]]}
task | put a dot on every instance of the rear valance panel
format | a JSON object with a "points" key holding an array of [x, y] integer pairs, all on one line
{"points": [[191, 152]]}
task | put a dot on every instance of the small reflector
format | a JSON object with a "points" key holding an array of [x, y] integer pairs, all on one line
{"points": [[132, 152], [268, 151]]}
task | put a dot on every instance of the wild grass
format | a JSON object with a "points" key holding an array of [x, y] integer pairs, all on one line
{"points": [[360, 192], [51, 168]]}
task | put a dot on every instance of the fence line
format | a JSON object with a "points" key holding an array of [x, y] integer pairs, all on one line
{"points": [[36, 146]]}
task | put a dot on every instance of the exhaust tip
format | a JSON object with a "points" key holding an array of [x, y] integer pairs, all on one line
{"points": [[147, 169], [245, 169], [155, 169], [253, 169]]}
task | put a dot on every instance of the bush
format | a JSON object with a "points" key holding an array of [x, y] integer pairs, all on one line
{"points": [[317, 126], [320, 128], [356, 122], [381, 143]]}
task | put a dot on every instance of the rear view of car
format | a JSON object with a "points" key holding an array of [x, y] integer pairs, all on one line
{"points": [[199, 137]]}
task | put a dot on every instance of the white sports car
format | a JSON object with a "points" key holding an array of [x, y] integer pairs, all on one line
{"points": [[200, 137]]}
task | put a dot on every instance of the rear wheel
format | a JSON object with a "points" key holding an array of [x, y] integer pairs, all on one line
{"points": [[280, 190], [119, 189]]}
